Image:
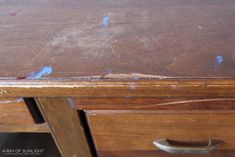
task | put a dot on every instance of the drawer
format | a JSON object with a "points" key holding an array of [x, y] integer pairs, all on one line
{"points": [[123, 133], [14, 111]]}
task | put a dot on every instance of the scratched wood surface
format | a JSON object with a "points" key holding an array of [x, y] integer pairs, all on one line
{"points": [[157, 104], [76, 38]]}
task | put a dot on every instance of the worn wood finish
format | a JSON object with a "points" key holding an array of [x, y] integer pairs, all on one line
{"points": [[223, 153], [65, 126], [160, 104], [38, 128], [177, 50], [14, 111], [136, 130], [205, 88], [170, 38]]}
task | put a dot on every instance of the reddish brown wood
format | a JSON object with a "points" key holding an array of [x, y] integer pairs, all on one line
{"points": [[136, 130], [65, 127], [161, 37], [14, 111], [163, 50], [29, 128], [203, 88], [161, 104]]}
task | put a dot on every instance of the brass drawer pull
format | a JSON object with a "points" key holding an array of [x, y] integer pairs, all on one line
{"points": [[166, 146]]}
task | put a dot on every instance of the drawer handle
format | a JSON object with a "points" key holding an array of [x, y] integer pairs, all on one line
{"points": [[166, 146]]}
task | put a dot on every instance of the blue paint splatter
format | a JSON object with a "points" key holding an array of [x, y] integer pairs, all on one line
{"points": [[71, 102], [136, 78], [106, 21], [219, 59], [47, 70]]}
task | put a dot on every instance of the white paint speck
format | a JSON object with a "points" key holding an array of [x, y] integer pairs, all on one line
{"points": [[6, 26], [173, 86], [200, 27], [132, 86]]}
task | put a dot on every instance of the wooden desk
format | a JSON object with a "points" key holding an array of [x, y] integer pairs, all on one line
{"points": [[110, 77]]}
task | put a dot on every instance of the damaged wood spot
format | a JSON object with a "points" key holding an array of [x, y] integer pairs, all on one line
{"points": [[134, 76]]}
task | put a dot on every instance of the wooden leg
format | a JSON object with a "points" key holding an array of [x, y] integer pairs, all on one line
{"points": [[65, 126]]}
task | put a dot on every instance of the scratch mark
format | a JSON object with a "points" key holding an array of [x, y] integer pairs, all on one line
{"points": [[183, 102], [11, 101], [95, 42], [47, 70], [190, 119]]}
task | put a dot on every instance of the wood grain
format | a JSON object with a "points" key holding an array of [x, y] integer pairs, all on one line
{"points": [[161, 38], [160, 104], [65, 127], [176, 50], [16, 128], [136, 130], [14, 111], [203, 88]]}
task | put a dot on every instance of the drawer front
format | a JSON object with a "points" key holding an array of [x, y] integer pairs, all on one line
{"points": [[117, 133], [14, 111], [131, 153]]}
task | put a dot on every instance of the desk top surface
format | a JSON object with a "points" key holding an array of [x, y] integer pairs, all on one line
{"points": [[117, 38]]}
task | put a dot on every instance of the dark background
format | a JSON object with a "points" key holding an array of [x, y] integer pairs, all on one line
{"points": [[29, 142]]}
